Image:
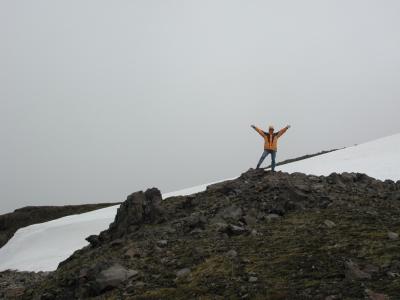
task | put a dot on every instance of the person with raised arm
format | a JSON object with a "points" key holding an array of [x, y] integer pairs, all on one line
{"points": [[270, 143]]}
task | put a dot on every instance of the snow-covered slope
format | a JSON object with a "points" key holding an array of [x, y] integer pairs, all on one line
{"points": [[42, 247], [379, 159]]}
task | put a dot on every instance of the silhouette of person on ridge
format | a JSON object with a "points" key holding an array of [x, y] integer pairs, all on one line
{"points": [[270, 143]]}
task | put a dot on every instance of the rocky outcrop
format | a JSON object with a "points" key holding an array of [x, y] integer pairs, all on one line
{"points": [[139, 208], [264, 235]]}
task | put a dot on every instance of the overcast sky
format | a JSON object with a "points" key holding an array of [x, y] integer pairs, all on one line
{"points": [[103, 98]]}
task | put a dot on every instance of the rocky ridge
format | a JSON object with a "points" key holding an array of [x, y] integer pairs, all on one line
{"points": [[262, 236]]}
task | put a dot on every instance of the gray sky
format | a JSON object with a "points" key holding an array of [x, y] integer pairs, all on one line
{"points": [[103, 98]]}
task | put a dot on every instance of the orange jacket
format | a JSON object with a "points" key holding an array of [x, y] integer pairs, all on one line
{"points": [[271, 141]]}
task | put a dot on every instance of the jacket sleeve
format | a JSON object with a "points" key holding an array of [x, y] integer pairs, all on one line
{"points": [[282, 131], [260, 132]]}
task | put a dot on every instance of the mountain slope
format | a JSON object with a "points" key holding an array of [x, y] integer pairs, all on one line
{"points": [[260, 236], [43, 257]]}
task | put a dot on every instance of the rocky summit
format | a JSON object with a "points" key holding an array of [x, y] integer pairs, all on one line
{"points": [[261, 236]]}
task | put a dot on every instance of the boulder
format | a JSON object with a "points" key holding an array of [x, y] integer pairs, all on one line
{"points": [[231, 254], [138, 209], [183, 272], [393, 236], [354, 272], [395, 196], [162, 243], [231, 212], [250, 220], [183, 275], [93, 240], [220, 226], [195, 220], [329, 223], [235, 230], [253, 279], [132, 252], [113, 276]]}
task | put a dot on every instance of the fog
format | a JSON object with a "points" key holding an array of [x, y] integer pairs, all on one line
{"points": [[99, 99]]}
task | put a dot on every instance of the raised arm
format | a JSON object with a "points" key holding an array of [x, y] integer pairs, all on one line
{"points": [[283, 130], [260, 132]]}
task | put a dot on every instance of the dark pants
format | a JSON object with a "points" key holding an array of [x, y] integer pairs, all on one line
{"points": [[264, 155]]}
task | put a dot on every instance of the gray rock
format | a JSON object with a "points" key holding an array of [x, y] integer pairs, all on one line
{"points": [[195, 220], [132, 252], [318, 187], [395, 195], [117, 243], [348, 177], [236, 230], [139, 208], [371, 269], [139, 284], [232, 212], [196, 231], [393, 236], [253, 279], [271, 217], [250, 220], [231, 254], [130, 288], [220, 226], [303, 187], [182, 273], [113, 276], [198, 252], [158, 249], [354, 272], [254, 232], [392, 274], [162, 243], [329, 223], [93, 240]]}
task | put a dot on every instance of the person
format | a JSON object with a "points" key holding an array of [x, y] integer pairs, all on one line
{"points": [[270, 143]]}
